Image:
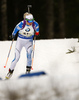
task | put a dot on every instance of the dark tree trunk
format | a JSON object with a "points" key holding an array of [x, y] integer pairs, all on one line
{"points": [[16, 11], [61, 19], [4, 30], [50, 19]]}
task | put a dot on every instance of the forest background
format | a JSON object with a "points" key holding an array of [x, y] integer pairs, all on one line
{"points": [[57, 18]]}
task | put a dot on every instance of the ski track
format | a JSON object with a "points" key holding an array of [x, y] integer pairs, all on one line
{"points": [[61, 81]]}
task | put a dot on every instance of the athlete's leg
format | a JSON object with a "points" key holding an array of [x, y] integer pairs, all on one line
{"points": [[17, 53], [29, 55], [29, 48]]}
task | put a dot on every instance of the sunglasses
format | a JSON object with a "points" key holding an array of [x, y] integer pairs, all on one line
{"points": [[29, 20]]}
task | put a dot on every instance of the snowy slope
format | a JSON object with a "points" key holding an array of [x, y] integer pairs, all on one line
{"points": [[61, 81]]}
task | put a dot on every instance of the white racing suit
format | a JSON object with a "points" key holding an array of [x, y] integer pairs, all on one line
{"points": [[25, 39]]}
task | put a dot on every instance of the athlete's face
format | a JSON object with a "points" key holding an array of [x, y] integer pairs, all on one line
{"points": [[28, 23]]}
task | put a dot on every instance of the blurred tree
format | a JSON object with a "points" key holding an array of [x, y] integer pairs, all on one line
{"points": [[57, 18], [4, 30], [72, 18], [49, 19], [12, 7], [61, 19], [16, 9]]}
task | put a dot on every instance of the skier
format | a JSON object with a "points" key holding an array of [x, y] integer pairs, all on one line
{"points": [[26, 30]]}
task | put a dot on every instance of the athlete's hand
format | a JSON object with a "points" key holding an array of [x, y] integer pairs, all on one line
{"points": [[36, 33], [12, 37]]}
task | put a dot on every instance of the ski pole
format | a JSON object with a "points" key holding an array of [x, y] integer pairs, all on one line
{"points": [[8, 53], [33, 52]]}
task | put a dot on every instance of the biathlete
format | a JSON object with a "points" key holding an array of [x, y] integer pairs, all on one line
{"points": [[26, 29]]}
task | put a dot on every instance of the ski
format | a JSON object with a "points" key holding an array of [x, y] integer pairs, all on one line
{"points": [[32, 74], [3, 79], [0, 78]]}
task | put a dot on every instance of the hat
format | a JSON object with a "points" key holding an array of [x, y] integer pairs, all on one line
{"points": [[28, 16]]}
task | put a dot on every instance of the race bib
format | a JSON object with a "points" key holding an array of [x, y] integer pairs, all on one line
{"points": [[27, 31]]}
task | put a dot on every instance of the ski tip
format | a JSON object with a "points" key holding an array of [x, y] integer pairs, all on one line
{"points": [[4, 66]]}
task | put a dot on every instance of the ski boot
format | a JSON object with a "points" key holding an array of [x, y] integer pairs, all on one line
{"points": [[28, 69], [9, 74]]}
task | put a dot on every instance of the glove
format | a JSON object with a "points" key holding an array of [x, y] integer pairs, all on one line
{"points": [[12, 37], [36, 33]]}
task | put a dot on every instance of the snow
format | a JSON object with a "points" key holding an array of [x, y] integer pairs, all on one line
{"points": [[61, 81]]}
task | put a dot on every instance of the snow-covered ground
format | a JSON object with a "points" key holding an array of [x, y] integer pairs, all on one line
{"points": [[61, 81]]}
